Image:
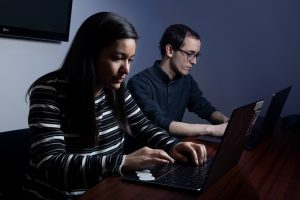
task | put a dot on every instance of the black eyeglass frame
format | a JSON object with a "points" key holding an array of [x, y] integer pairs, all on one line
{"points": [[190, 56]]}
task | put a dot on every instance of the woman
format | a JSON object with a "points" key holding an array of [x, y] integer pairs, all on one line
{"points": [[80, 113]]}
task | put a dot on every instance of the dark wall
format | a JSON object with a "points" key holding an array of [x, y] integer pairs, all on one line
{"points": [[250, 49]]}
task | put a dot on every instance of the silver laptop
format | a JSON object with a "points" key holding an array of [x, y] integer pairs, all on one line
{"points": [[198, 178]]}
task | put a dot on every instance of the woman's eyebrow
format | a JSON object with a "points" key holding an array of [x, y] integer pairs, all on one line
{"points": [[123, 54]]}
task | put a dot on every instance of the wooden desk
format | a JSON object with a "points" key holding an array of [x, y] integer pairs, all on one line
{"points": [[270, 171]]}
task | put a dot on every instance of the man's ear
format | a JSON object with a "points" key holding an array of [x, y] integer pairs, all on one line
{"points": [[169, 50]]}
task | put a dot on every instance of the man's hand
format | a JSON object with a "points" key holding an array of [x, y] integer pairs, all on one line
{"points": [[217, 130]]}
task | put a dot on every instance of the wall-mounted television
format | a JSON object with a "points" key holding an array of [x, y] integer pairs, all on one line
{"points": [[36, 19]]}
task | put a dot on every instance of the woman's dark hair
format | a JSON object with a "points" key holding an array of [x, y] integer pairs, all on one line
{"points": [[97, 32], [174, 35]]}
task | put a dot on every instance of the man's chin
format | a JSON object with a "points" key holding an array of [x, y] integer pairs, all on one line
{"points": [[184, 73]]}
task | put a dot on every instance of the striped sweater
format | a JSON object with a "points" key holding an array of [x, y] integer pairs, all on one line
{"points": [[59, 168]]}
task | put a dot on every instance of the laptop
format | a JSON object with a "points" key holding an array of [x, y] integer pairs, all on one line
{"points": [[265, 126], [194, 178]]}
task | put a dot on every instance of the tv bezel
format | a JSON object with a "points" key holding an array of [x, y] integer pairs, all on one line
{"points": [[35, 34]]}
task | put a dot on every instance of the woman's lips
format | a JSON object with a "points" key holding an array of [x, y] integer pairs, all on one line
{"points": [[118, 79]]}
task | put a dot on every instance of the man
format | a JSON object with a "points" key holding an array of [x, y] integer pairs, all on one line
{"points": [[166, 89]]}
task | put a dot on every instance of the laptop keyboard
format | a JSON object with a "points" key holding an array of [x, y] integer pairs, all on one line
{"points": [[183, 175]]}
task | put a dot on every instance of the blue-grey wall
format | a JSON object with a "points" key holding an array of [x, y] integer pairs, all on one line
{"points": [[250, 49]]}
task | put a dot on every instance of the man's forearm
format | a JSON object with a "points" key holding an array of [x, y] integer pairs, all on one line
{"points": [[186, 129]]}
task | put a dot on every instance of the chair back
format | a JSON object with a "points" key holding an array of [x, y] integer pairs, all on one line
{"points": [[14, 156]]}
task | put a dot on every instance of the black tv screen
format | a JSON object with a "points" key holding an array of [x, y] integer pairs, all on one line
{"points": [[36, 19]]}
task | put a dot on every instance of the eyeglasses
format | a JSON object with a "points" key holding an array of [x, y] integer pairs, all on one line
{"points": [[190, 56]]}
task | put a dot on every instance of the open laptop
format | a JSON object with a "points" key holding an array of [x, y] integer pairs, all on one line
{"points": [[264, 127], [198, 178]]}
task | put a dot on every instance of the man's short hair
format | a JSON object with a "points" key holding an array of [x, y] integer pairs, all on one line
{"points": [[175, 35]]}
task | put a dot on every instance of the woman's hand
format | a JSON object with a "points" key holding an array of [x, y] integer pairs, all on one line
{"points": [[145, 157], [184, 151]]}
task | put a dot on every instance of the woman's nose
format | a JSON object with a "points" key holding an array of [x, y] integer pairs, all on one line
{"points": [[125, 68]]}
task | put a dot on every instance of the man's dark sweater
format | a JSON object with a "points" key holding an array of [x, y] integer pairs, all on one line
{"points": [[163, 100]]}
